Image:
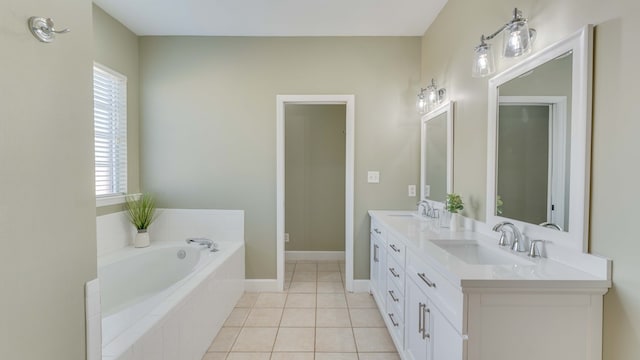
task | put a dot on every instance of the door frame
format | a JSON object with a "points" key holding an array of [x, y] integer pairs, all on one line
{"points": [[349, 101]]}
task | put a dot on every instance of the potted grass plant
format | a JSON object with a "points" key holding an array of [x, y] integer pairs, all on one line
{"points": [[141, 212], [452, 206]]}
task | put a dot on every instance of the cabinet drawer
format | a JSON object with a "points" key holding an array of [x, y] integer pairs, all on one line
{"points": [[395, 274], [395, 324], [378, 230], [396, 298], [444, 295], [396, 249]]}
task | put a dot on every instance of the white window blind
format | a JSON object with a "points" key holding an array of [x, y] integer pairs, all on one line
{"points": [[110, 125]]}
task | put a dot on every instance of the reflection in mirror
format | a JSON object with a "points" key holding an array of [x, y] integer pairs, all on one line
{"points": [[436, 154], [539, 143], [435, 172], [534, 112]]}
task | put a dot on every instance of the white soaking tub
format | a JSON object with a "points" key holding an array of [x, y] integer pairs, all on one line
{"points": [[169, 300]]}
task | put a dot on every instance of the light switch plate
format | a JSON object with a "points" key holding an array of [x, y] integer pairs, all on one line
{"points": [[286, 237], [373, 177], [411, 191]]}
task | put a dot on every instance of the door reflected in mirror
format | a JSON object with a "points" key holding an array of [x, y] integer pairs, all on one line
{"points": [[436, 157], [533, 145], [435, 172]]}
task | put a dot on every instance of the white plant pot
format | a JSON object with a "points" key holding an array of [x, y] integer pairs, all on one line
{"points": [[456, 222], [142, 239]]}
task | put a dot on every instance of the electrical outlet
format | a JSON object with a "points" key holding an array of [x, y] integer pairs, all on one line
{"points": [[373, 177], [411, 190], [286, 237], [427, 191]]}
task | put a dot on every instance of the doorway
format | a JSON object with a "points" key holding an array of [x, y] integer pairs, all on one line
{"points": [[348, 101], [532, 131]]}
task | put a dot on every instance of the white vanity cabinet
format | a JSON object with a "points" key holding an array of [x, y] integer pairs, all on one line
{"points": [[428, 333], [437, 307]]}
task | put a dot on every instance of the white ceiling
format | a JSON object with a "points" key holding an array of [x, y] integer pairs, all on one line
{"points": [[275, 17]]}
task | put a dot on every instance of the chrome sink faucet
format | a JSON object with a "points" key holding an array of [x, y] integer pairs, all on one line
{"points": [[427, 209], [518, 244], [424, 208]]}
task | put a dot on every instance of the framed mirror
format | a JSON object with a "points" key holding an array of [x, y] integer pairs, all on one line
{"points": [[436, 154], [539, 141]]}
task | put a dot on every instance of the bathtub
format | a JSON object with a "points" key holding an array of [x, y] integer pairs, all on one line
{"points": [[169, 300]]}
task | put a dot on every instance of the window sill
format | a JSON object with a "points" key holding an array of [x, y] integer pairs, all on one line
{"points": [[113, 200]]}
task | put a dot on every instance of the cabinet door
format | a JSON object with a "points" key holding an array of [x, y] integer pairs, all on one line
{"points": [[378, 275], [416, 337], [446, 342]]}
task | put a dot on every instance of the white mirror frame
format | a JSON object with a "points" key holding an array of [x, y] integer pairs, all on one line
{"points": [[581, 43], [447, 108]]}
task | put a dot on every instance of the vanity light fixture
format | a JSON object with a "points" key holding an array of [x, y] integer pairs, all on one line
{"points": [[430, 97], [518, 39]]}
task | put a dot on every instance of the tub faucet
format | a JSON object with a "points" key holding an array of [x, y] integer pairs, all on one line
{"points": [[200, 241], [519, 243]]}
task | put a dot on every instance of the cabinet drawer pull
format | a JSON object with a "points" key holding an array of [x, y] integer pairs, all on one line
{"points": [[393, 246], [375, 253], [395, 299], [377, 231], [393, 320], [424, 278], [394, 273]]}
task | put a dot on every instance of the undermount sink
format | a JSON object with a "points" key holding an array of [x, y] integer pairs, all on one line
{"points": [[406, 215], [470, 252]]}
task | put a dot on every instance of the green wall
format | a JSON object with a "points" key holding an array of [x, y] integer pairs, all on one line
{"points": [[446, 55], [209, 124], [47, 197], [116, 47]]}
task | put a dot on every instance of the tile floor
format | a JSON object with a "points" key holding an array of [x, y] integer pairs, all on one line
{"points": [[313, 319]]}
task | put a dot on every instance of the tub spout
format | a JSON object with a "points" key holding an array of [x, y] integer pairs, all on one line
{"points": [[200, 241]]}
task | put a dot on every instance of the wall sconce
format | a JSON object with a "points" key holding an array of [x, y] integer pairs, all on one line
{"points": [[518, 39], [430, 97]]}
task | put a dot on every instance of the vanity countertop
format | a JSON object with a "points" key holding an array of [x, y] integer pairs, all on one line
{"points": [[524, 272]]}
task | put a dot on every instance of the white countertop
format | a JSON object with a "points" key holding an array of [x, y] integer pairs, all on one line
{"points": [[525, 272]]}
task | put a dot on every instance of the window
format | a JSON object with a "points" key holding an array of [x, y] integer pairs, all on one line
{"points": [[110, 125]]}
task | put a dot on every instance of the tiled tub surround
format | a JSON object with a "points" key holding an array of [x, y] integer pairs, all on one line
{"points": [[313, 319], [157, 306]]}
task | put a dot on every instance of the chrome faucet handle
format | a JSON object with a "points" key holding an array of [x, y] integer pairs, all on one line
{"points": [[534, 251], [504, 239]]}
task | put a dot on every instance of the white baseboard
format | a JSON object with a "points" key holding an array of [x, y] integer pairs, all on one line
{"points": [[261, 285], [360, 286], [314, 255]]}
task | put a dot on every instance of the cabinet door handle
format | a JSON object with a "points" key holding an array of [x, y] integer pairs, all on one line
{"points": [[394, 273], [375, 253], [424, 278], [395, 299], [393, 320], [425, 321], [377, 231], [421, 318], [393, 246]]}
